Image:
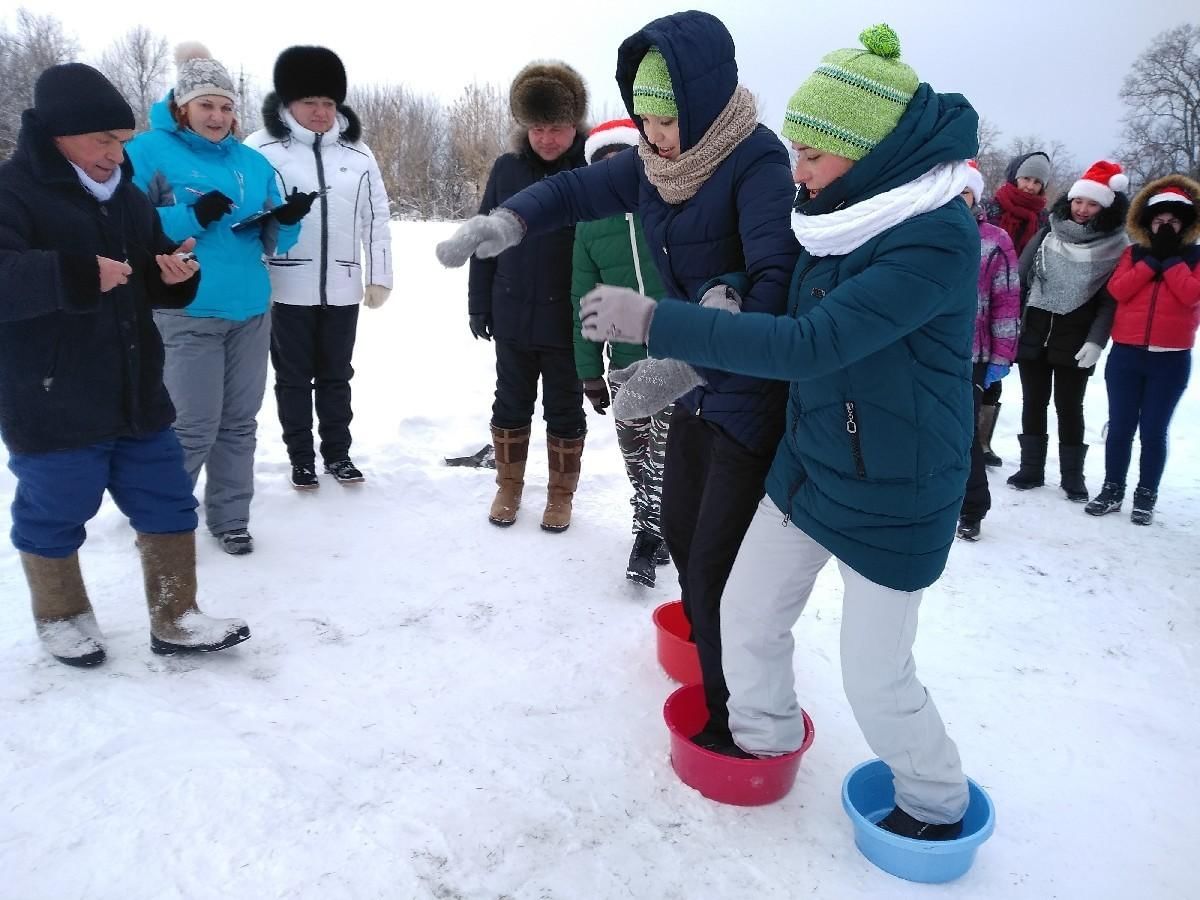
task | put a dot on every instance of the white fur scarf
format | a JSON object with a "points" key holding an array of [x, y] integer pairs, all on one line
{"points": [[843, 230]]}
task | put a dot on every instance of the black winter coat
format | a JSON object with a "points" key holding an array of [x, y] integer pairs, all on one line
{"points": [[526, 290], [77, 367]]}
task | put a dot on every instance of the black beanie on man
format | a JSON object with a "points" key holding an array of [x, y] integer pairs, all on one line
{"points": [[309, 72], [76, 99]]}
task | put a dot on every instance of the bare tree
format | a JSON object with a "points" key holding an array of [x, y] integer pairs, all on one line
{"points": [[990, 158], [1162, 94], [34, 43], [480, 126], [137, 63]]}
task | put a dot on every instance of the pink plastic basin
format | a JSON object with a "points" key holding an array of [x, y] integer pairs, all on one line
{"points": [[740, 782], [676, 654]]}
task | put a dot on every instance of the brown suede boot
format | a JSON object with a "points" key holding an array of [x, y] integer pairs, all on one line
{"points": [[62, 612], [512, 452], [565, 455], [176, 623]]}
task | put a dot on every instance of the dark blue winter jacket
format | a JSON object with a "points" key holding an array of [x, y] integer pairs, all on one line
{"points": [[77, 366], [737, 222], [878, 349]]}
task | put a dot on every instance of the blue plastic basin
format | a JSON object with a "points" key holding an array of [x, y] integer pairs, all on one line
{"points": [[868, 795]]}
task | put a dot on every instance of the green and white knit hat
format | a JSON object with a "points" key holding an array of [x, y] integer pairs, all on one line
{"points": [[854, 99], [652, 91]]}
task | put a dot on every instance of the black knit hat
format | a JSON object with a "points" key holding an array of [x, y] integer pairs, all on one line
{"points": [[309, 72], [76, 99]]}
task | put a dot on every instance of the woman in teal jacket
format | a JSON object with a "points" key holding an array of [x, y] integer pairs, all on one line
{"points": [[203, 181], [873, 464]]}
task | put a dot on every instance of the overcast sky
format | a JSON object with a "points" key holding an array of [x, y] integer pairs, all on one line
{"points": [[1031, 66]]}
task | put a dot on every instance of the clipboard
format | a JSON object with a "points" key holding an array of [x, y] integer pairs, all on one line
{"points": [[250, 221]]}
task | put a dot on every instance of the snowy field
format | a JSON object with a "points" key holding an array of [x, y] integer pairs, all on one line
{"points": [[431, 707]]}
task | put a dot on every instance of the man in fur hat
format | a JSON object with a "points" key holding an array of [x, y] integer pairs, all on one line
{"points": [[314, 141], [522, 299]]}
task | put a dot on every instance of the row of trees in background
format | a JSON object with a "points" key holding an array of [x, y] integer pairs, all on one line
{"points": [[435, 156]]}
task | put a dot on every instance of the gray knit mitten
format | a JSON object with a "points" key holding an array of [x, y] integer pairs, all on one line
{"points": [[481, 236]]}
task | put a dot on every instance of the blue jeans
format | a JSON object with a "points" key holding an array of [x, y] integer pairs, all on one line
{"points": [[1144, 388], [58, 492]]}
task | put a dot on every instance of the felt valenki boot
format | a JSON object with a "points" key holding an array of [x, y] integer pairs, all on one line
{"points": [[176, 623], [565, 455], [62, 612], [512, 452]]}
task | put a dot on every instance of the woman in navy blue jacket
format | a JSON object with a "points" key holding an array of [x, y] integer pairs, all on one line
{"points": [[714, 191]]}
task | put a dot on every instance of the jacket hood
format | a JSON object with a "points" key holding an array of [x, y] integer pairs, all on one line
{"points": [[1138, 232], [1010, 174], [935, 128], [37, 151], [272, 116], [162, 120], [700, 58]]}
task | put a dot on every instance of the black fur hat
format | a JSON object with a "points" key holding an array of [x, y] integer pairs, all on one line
{"points": [[548, 92], [309, 72]]}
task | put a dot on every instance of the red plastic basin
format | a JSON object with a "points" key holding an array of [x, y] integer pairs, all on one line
{"points": [[740, 782], [676, 654]]}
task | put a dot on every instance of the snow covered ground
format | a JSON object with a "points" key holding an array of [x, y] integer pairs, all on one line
{"points": [[434, 708]]}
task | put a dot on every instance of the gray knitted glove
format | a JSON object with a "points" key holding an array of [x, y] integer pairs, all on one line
{"points": [[481, 236], [610, 313]]}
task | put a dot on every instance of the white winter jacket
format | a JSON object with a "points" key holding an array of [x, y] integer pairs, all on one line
{"points": [[325, 267]]}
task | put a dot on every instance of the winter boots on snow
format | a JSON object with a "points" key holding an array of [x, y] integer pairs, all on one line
{"points": [[901, 823], [176, 624], [565, 456], [986, 426], [1032, 473], [1070, 467], [512, 452], [969, 528], [644, 558], [1108, 500], [1143, 506], [62, 613], [304, 478], [345, 472]]}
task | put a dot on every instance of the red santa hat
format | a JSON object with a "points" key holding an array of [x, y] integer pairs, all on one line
{"points": [[617, 133], [975, 180], [1170, 194], [1101, 182]]}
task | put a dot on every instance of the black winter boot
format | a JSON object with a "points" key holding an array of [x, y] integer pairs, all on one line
{"points": [[988, 414], [968, 528], [1108, 500], [1143, 506], [1070, 465], [1032, 473], [901, 823], [641, 559]]}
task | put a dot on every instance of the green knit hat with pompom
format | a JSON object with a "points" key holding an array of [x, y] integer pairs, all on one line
{"points": [[653, 94], [854, 99]]}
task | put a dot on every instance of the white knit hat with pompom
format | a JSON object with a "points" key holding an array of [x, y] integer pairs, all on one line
{"points": [[200, 75]]}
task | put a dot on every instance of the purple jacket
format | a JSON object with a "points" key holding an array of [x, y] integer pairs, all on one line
{"points": [[999, 313]]}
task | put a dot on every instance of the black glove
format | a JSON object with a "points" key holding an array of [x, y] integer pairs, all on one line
{"points": [[481, 325], [596, 390], [1165, 243], [211, 207], [295, 208]]}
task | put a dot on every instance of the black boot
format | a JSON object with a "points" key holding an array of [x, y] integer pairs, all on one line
{"points": [[987, 426], [1108, 500], [1143, 506], [720, 740], [641, 559], [968, 528], [1033, 462], [1070, 466], [901, 823]]}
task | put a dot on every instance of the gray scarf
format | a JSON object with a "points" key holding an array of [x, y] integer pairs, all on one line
{"points": [[1072, 263]]}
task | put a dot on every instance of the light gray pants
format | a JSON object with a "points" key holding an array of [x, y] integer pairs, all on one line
{"points": [[767, 590], [216, 374]]}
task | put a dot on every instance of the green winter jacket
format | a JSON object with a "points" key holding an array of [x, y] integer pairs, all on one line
{"points": [[610, 251], [877, 347]]}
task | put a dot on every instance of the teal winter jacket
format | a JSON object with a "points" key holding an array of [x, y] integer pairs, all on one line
{"points": [[877, 347], [175, 166]]}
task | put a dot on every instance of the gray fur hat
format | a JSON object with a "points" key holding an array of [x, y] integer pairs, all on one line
{"points": [[200, 75], [548, 92]]}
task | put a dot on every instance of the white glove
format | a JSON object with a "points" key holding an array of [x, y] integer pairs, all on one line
{"points": [[608, 313], [481, 236], [1088, 355], [376, 296]]}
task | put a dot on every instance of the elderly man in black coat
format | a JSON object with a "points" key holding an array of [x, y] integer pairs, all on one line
{"points": [[83, 261]]}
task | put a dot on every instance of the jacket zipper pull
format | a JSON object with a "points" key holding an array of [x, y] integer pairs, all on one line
{"points": [[787, 517], [47, 383]]}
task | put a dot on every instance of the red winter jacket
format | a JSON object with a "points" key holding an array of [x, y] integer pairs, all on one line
{"points": [[1157, 306]]}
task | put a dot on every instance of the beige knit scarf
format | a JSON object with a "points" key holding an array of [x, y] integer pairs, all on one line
{"points": [[679, 179]]}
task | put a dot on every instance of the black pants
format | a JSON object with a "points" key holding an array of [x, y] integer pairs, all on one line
{"points": [[311, 347], [517, 372], [1068, 383], [978, 499], [711, 489]]}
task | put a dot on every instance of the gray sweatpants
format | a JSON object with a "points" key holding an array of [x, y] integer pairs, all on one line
{"points": [[216, 374], [767, 590]]}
